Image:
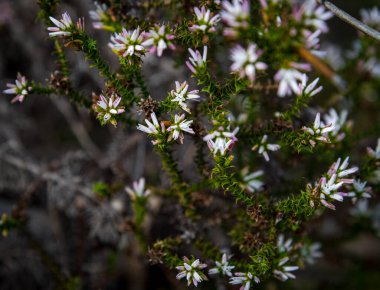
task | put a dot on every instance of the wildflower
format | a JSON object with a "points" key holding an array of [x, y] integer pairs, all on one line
{"points": [[138, 189], [107, 108], [224, 140], [359, 190], [159, 38], [203, 21], [288, 81], [251, 181], [222, 267], [192, 271], [312, 42], [263, 147], [235, 14], [181, 95], [128, 43], [371, 17], [341, 170], [282, 245], [62, 27], [245, 279], [337, 123], [314, 15], [309, 89], [245, 61], [374, 153], [153, 128], [100, 17], [318, 131], [180, 124], [283, 272], [21, 88], [310, 252], [196, 60], [361, 209]]}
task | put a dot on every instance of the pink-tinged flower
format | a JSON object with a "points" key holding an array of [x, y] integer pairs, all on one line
{"points": [[179, 126], [62, 27], [374, 153], [313, 15], [100, 17], [180, 95], [204, 22], [107, 108], [128, 43], [341, 170], [222, 267], [263, 147], [288, 79], [159, 38], [245, 61], [312, 42], [197, 60], [245, 279], [338, 122], [283, 272], [235, 15], [138, 189], [21, 88], [192, 271], [319, 131]]}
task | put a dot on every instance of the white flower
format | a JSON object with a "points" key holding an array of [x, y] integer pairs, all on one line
{"points": [[99, 16], [203, 22], [282, 245], [245, 279], [263, 147], [309, 89], [371, 17], [361, 209], [153, 128], [181, 95], [138, 190], [315, 15], [288, 79], [337, 121], [283, 272], [251, 180], [319, 131], [374, 153], [62, 27], [224, 140], [245, 61], [310, 252], [196, 60], [235, 14], [128, 43], [312, 42], [359, 190], [341, 170], [106, 108], [180, 125], [21, 88], [159, 38], [222, 267], [192, 271]]}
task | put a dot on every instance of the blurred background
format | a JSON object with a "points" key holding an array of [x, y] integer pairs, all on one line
{"points": [[52, 153]]}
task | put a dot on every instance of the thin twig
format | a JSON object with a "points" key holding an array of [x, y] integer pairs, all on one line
{"points": [[350, 20]]}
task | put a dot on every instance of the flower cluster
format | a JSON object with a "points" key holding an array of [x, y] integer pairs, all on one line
{"points": [[21, 88], [283, 272], [181, 94], [235, 15], [245, 61], [179, 126], [197, 60], [65, 26], [263, 147], [335, 178], [204, 20], [192, 271], [100, 17], [128, 43], [158, 39], [245, 279], [223, 267], [108, 108], [319, 131], [220, 141]]}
